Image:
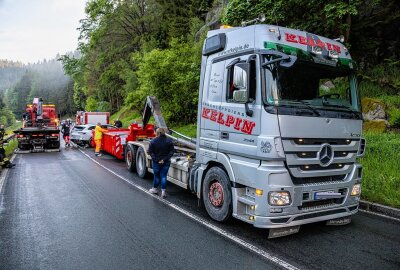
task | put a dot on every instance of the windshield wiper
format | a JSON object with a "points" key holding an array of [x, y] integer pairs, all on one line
{"points": [[346, 109], [302, 102], [283, 59]]}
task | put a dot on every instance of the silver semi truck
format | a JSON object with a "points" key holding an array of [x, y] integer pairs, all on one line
{"points": [[278, 130]]}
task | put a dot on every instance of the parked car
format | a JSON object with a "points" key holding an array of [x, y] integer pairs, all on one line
{"points": [[82, 134]]}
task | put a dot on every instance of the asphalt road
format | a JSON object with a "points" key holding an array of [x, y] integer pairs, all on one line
{"points": [[64, 211]]}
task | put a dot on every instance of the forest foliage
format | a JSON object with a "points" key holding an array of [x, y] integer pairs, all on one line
{"points": [[132, 48], [44, 79]]}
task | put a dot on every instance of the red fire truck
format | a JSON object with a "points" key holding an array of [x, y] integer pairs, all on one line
{"points": [[83, 118]]}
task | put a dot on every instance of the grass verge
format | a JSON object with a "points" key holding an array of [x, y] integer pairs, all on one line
{"points": [[13, 143], [381, 174], [126, 115], [189, 130]]}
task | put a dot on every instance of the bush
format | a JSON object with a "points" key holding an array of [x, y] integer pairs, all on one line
{"points": [[394, 118], [91, 104], [172, 76], [374, 126]]}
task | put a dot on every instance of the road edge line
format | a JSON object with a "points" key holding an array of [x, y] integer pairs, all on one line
{"points": [[203, 222]]}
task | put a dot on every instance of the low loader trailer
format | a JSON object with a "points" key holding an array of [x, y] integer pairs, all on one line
{"points": [[279, 130]]}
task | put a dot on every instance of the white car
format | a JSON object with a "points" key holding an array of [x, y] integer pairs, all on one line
{"points": [[82, 134]]}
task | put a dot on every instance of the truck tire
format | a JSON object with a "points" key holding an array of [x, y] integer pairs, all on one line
{"points": [[130, 158], [141, 168], [217, 194]]}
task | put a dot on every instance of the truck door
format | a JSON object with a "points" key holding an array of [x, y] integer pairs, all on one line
{"points": [[241, 106], [211, 101]]}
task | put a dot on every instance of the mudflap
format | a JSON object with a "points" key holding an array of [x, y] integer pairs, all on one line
{"points": [[339, 221], [280, 232]]}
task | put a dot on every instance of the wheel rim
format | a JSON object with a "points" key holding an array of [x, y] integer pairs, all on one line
{"points": [[140, 163], [128, 158], [216, 194]]}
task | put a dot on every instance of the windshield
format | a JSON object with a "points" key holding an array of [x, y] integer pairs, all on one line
{"points": [[313, 88], [78, 128]]}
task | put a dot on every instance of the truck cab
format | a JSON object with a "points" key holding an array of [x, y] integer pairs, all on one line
{"points": [[279, 118]]}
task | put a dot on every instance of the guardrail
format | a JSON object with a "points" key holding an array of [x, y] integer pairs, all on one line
{"points": [[7, 138]]}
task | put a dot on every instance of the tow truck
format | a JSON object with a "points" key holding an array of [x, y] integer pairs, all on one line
{"points": [[39, 132], [278, 130]]}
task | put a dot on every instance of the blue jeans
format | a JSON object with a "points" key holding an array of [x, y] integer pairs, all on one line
{"points": [[160, 172]]}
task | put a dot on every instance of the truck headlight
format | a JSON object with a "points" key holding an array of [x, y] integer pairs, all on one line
{"points": [[356, 190], [279, 198]]}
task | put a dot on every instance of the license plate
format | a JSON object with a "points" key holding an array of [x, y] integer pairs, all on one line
{"points": [[330, 194]]}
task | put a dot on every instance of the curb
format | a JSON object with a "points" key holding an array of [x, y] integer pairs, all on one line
{"points": [[380, 209]]}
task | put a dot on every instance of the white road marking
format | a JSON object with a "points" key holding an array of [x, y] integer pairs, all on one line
{"points": [[205, 223]]}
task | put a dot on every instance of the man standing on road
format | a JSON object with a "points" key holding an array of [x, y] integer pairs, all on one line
{"points": [[161, 149], [98, 135], [65, 130]]}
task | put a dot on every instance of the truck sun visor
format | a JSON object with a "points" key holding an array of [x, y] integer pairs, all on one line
{"points": [[214, 44]]}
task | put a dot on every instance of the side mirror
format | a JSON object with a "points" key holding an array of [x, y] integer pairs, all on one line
{"points": [[240, 95]]}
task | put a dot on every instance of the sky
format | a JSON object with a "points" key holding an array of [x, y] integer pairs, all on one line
{"points": [[33, 30]]}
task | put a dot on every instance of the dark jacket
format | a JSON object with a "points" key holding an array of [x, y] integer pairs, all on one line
{"points": [[161, 148], [65, 129]]}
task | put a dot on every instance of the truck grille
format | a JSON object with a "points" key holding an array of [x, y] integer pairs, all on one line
{"points": [[318, 180], [307, 164], [313, 205]]}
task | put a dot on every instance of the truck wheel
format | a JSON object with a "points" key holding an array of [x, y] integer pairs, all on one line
{"points": [[141, 168], [217, 195], [130, 158]]}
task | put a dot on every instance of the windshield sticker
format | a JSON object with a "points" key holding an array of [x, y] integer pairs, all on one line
{"points": [[240, 124]]}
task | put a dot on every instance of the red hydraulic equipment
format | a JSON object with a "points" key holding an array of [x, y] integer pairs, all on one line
{"points": [[114, 140]]}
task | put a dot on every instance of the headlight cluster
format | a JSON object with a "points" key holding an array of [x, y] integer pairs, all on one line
{"points": [[356, 190], [279, 198]]}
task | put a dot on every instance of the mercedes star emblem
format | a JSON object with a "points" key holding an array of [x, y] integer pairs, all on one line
{"points": [[325, 155]]}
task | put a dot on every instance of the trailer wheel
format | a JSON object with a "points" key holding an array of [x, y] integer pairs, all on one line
{"points": [[130, 158], [217, 195], [141, 168]]}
